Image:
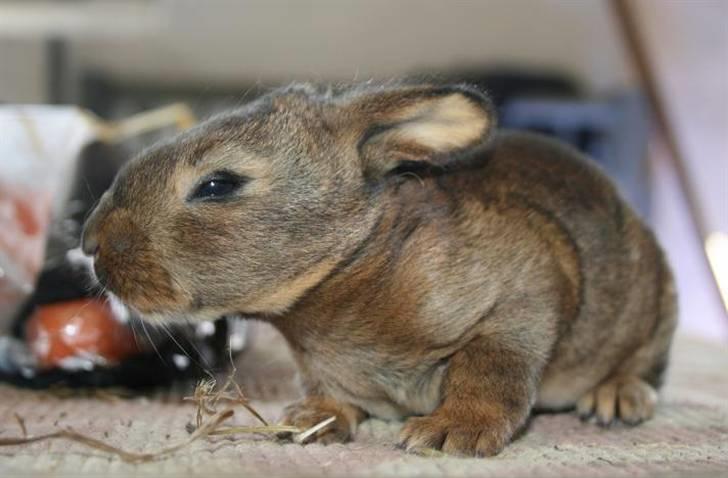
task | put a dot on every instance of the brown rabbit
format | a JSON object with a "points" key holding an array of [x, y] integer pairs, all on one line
{"points": [[418, 263]]}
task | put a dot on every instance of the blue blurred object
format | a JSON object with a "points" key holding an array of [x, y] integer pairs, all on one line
{"points": [[612, 131]]}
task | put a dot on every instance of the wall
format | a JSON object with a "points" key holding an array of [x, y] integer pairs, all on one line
{"points": [[22, 71], [222, 41]]}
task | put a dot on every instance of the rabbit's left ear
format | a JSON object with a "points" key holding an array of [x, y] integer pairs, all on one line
{"points": [[421, 124]]}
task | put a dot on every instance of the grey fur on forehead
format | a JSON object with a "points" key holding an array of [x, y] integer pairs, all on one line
{"points": [[299, 115], [333, 92]]}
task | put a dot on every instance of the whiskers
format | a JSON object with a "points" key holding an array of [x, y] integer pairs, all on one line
{"points": [[155, 328], [202, 364], [151, 341]]}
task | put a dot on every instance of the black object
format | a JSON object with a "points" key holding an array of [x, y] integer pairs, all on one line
{"points": [[177, 353], [159, 368], [505, 84]]}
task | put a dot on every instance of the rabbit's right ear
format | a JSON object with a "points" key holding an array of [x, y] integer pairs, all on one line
{"points": [[419, 124]]}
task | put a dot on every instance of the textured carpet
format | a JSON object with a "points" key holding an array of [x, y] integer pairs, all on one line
{"points": [[689, 435]]}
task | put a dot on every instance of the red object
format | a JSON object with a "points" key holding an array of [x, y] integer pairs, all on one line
{"points": [[83, 328]]}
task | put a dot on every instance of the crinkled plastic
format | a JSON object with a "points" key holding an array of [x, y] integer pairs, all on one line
{"points": [[38, 149]]}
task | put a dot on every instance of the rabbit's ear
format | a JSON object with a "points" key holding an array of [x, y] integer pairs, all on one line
{"points": [[425, 125]]}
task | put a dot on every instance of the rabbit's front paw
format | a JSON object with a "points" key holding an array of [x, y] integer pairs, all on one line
{"points": [[312, 411], [455, 435]]}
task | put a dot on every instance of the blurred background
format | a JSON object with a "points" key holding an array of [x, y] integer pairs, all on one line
{"points": [[640, 85]]}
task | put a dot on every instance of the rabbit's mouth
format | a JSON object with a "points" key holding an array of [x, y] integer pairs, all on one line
{"points": [[126, 263], [148, 290], [107, 282]]}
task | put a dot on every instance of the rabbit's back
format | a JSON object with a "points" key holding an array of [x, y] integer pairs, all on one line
{"points": [[626, 298]]}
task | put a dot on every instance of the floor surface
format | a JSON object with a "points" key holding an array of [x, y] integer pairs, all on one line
{"points": [[688, 434]]}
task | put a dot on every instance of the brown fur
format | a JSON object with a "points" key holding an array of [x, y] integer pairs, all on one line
{"points": [[417, 262]]}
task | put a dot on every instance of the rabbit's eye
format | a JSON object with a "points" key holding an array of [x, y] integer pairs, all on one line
{"points": [[217, 187]]}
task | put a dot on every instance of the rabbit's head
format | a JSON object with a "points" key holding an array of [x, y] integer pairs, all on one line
{"points": [[247, 211]]}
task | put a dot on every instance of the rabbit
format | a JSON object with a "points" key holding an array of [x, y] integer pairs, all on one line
{"points": [[421, 264]]}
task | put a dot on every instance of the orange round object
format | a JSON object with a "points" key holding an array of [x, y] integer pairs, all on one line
{"points": [[84, 329]]}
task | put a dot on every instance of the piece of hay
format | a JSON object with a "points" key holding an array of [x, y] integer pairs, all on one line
{"points": [[127, 456], [21, 424], [302, 436], [207, 396]]}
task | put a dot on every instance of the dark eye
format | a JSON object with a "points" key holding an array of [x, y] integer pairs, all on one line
{"points": [[218, 186]]}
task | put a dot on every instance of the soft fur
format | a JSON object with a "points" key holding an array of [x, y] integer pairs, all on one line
{"points": [[419, 263]]}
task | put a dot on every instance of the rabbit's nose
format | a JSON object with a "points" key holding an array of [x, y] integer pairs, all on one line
{"points": [[89, 243]]}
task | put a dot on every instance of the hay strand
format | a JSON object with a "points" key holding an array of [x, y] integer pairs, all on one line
{"points": [[209, 422]]}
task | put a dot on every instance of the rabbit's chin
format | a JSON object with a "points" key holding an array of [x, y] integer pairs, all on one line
{"points": [[124, 310], [181, 316]]}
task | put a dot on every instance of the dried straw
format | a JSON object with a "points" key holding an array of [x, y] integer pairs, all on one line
{"points": [[209, 422]]}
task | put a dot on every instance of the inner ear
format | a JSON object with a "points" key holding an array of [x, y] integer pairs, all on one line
{"points": [[424, 125], [440, 125]]}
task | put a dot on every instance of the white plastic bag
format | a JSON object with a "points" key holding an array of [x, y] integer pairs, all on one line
{"points": [[38, 149]]}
